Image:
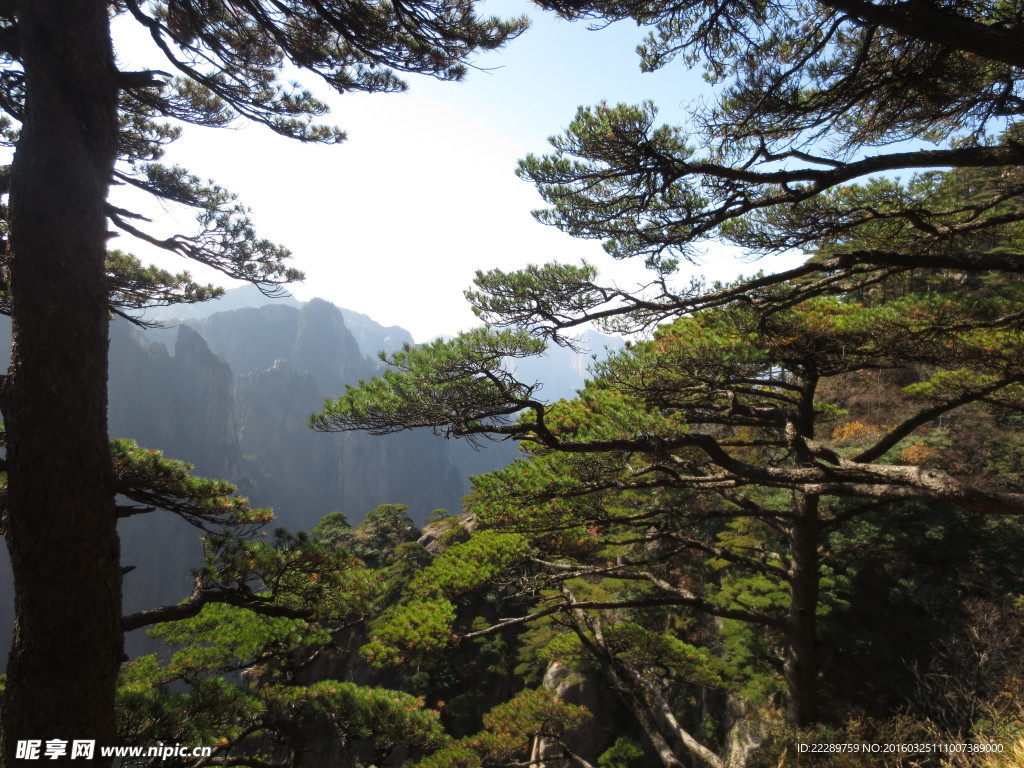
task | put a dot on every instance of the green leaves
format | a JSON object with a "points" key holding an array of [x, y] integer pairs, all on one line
{"points": [[415, 630], [145, 476], [509, 730], [225, 637], [472, 564], [461, 387], [226, 240], [379, 715], [553, 292], [243, 55], [614, 176], [228, 62], [241, 63], [292, 573], [263, 612], [211, 713], [534, 712], [134, 286], [643, 649], [798, 147], [424, 624], [269, 703]]}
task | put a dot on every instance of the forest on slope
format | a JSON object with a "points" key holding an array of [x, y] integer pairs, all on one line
{"points": [[779, 527]]}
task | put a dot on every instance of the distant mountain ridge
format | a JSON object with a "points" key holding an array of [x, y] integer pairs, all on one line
{"points": [[268, 368], [371, 336]]}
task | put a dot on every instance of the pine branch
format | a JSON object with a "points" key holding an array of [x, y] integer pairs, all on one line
{"points": [[201, 596]]}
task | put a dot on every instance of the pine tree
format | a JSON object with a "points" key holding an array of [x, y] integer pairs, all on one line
{"points": [[741, 406], [80, 124], [818, 106]]}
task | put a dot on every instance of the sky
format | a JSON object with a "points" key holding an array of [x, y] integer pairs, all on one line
{"points": [[394, 222]]}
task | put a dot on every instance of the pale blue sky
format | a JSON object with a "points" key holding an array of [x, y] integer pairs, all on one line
{"points": [[394, 222]]}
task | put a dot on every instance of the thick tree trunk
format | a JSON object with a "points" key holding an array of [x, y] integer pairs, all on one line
{"points": [[61, 529], [801, 664]]}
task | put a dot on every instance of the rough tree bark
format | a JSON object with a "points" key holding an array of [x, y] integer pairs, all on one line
{"points": [[801, 663], [61, 527]]}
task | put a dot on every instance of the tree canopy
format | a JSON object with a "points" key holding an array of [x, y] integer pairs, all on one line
{"points": [[80, 125], [818, 107], [754, 422], [750, 411]]}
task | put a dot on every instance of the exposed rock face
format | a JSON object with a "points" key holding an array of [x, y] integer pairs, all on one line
{"points": [[304, 475], [235, 399], [372, 337], [182, 405], [599, 732], [252, 337], [325, 347]]}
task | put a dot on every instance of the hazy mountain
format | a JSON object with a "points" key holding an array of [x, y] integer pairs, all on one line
{"points": [[561, 370], [231, 392], [371, 336], [242, 383], [374, 337], [236, 298]]}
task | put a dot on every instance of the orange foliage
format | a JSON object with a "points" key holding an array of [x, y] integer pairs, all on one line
{"points": [[918, 453], [852, 432]]}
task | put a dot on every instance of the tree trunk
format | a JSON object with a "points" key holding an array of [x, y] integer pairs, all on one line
{"points": [[61, 528], [801, 665]]}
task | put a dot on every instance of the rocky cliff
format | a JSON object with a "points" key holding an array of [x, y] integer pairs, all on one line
{"points": [[234, 399]]}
